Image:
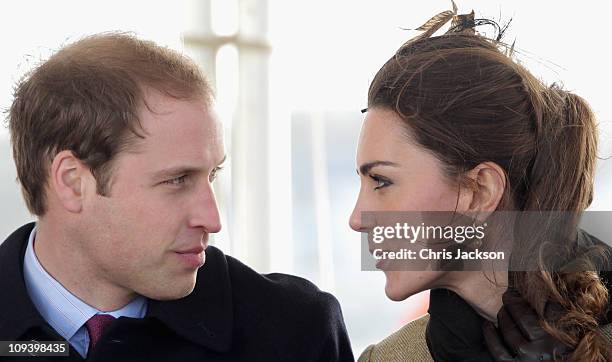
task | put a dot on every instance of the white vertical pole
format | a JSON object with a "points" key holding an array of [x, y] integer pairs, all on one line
{"points": [[250, 174], [322, 204]]}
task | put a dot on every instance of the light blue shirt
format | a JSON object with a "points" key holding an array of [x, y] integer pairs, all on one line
{"points": [[65, 312]]}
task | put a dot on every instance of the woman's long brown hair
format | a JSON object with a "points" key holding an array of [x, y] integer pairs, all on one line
{"points": [[464, 99]]}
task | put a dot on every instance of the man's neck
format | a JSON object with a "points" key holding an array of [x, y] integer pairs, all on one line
{"points": [[63, 258]]}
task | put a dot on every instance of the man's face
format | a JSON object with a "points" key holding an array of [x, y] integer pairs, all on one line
{"points": [[148, 235]]}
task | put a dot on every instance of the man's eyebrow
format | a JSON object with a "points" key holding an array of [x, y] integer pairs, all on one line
{"points": [[175, 171], [366, 167]]}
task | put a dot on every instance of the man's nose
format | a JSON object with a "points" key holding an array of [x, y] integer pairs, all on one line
{"points": [[205, 211]]}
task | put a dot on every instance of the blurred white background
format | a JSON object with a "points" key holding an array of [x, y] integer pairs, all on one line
{"points": [[291, 77]]}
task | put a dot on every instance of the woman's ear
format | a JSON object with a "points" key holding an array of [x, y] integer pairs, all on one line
{"points": [[67, 180], [488, 186]]}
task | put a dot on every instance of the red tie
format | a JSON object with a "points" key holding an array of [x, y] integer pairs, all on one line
{"points": [[96, 325]]}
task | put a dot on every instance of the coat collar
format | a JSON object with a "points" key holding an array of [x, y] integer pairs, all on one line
{"points": [[204, 317], [17, 312]]}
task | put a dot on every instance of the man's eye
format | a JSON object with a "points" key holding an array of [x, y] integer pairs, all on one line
{"points": [[177, 181], [381, 182]]}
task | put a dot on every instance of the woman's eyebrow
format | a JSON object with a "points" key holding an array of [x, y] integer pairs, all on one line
{"points": [[366, 167], [220, 163]]}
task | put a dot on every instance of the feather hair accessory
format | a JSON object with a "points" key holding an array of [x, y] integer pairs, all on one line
{"points": [[461, 24]]}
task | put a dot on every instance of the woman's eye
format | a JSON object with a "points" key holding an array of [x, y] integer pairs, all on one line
{"points": [[214, 173], [381, 182], [177, 181]]}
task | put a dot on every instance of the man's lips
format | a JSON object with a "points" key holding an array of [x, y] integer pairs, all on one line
{"points": [[193, 257], [194, 250]]}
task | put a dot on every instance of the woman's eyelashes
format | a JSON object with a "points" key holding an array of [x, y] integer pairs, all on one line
{"points": [[214, 173], [381, 182]]}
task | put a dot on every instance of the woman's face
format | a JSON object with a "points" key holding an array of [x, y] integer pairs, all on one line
{"points": [[399, 175]]}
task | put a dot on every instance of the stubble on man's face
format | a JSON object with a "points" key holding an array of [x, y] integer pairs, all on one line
{"points": [[146, 234]]}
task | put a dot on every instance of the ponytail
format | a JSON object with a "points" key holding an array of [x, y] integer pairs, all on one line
{"points": [[565, 156]]}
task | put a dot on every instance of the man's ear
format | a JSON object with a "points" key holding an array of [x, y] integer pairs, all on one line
{"points": [[488, 186], [68, 177]]}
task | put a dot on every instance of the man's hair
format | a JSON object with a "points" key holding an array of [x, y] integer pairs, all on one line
{"points": [[85, 99]]}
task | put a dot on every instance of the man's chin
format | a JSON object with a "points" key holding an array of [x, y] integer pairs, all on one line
{"points": [[173, 292]]}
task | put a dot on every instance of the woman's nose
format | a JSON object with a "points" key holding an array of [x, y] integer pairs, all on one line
{"points": [[355, 219]]}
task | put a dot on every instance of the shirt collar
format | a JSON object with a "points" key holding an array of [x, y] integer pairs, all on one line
{"points": [[65, 312]]}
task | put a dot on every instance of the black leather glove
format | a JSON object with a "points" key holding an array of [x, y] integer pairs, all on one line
{"points": [[519, 336]]}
